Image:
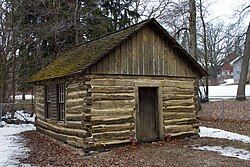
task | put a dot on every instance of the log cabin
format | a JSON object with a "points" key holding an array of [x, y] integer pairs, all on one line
{"points": [[137, 83]]}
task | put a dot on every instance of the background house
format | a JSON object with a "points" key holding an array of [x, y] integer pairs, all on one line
{"points": [[227, 68], [236, 63]]}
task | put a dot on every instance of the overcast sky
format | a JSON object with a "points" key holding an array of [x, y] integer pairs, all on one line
{"points": [[225, 9]]}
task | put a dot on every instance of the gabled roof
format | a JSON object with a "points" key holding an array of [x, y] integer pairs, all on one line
{"points": [[235, 60], [81, 57]]}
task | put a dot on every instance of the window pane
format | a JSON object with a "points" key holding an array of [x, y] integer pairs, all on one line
{"points": [[61, 102], [48, 93], [61, 93], [62, 111]]}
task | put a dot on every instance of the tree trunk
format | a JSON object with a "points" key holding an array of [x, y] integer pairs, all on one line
{"points": [[13, 84], [192, 28], [244, 68], [205, 50], [193, 41]]}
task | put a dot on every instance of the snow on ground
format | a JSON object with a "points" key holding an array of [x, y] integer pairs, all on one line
{"points": [[9, 147], [228, 81], [224, 91], [21, 115], [24, 116], [222, 134], [227, 151]]}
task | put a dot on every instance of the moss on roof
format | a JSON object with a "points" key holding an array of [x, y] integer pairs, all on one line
{"points": [[80, 57]]}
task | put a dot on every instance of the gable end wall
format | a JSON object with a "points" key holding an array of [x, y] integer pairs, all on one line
{"points": [[145, 53]]}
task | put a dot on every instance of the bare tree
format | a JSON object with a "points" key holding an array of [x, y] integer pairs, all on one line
{"points": [[192, 28], [244, 68], [205, 48]]}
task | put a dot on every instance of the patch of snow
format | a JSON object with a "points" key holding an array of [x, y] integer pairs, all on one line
{"points": [[228, 81], [22, 115], [222, 134], [9, 147], [19, 97], [224, 91], [227, 151]]}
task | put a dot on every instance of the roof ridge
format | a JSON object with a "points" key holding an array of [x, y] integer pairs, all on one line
{"points": [[114, 32]]}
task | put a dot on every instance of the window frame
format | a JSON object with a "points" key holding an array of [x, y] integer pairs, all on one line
{"points": [[60, 102], [47, 101]]}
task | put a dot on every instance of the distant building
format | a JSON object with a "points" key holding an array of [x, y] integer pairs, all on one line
{"points": [[227, 68], [236, 64]]}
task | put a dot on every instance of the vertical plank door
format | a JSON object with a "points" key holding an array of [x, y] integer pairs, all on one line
{"points": [[148, 114]]}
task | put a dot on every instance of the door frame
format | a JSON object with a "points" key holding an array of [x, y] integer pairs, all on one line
{"points": [[159, 116]]}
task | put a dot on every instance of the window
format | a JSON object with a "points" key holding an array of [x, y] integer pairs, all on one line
{"points": [[61, 102], [48, 101], [55, 102]]}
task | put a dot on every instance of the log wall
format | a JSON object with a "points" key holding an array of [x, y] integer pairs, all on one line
{"points": [[100, 109], [74, 130], [39, 102], [113, 107]]}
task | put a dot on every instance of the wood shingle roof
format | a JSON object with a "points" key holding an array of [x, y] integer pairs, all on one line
{"points": [[80, 58]]}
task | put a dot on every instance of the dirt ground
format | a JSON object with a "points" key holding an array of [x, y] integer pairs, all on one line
{"points": [[45, 151], [229, 110]]}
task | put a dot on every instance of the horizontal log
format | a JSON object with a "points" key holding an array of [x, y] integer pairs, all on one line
{"points": [[175, 96], [178, 91], [41, 101], [74, 124], [74, 103], [96, 76], [187, 102], [181, 121], [77, 94], [118, 111], [76, 83], [178, 115], [62, 130], [176, 83], [178, 128], [107, 121], [39, 91], [38, 109], [110, 82], [112, 89], [75, 141], [180, 135], [79, 110], [179, 108], [79, 87], [115, 127], [40, 116], [113, 104], [118, 135], [39, 98], [111, 143], [115, 96], [74, 117], [39, 105]]}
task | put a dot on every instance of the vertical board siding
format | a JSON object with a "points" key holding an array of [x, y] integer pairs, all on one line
{"points": [[145, 53]]}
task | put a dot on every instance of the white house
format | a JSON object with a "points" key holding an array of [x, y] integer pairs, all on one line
{"points": [[236, 63]]}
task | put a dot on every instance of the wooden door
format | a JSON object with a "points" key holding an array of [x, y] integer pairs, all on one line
{"points": [[147, 123]]}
